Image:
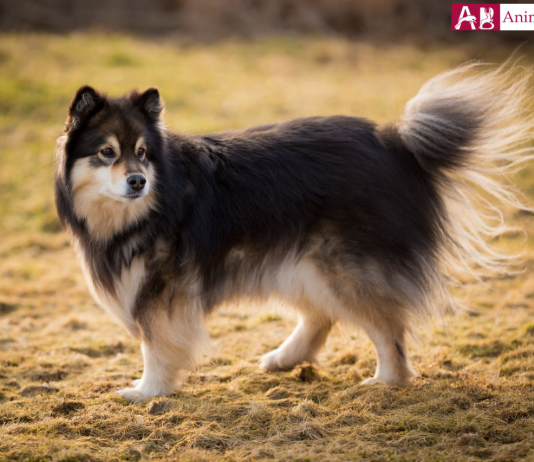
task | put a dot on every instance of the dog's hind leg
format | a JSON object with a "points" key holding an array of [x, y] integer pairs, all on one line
{"points": [[387, 332], [302, 345]]}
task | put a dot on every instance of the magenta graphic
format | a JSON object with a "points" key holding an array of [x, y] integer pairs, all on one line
{"points": [[476, 16]]}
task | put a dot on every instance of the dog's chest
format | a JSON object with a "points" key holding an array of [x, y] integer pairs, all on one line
{"points": [[126, 284]]}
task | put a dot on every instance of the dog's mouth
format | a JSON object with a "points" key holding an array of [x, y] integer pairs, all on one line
{"points": [[133, 196], [130, 197]]}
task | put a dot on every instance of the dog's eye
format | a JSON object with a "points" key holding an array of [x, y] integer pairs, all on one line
{"points": [[141, 153], [107, 152]]}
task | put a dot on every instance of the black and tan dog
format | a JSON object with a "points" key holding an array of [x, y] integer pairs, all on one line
{"points": [[345, 220]]}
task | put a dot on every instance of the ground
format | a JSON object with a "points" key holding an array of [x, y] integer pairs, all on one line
{"points": [[62, 357]]}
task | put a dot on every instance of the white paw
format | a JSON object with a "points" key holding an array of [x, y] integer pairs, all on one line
{"points": [[371, 381], [269, 362], [136, 382], [391, 381], [277, 360], [133, 395]]}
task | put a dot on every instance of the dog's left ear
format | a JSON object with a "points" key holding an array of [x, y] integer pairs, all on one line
{"points": [[150, 103]]}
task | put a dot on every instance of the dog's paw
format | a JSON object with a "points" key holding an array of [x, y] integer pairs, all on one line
{"points": [[371, 381], [133, 395], [136, 382], [278, 360], [392, 381], [269, 361]]}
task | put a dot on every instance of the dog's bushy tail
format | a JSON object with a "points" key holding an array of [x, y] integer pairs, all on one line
{"points": [[469, 129]]}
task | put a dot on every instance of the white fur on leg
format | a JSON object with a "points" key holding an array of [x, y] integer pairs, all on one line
{"points": [[159, 377], [385, 371], [179, 339], [393, 368], [302, 345]]}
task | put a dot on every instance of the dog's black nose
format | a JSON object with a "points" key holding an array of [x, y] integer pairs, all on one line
{"points": [[136, 182]]}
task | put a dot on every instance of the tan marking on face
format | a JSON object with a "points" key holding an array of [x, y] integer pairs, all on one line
{"points": [[140, 144], [118, 173], [98, 195], [114, 144]]}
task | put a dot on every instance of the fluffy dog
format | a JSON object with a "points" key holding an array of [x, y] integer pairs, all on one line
{"points": [[345, 220]]}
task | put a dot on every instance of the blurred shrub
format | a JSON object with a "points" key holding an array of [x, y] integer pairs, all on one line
{"points": [[210, 19]]}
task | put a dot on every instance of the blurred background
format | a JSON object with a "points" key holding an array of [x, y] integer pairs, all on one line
{"points": [[211, 19], [218, 64]]}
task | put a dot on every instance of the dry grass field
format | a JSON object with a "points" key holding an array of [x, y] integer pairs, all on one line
{"points": [[62, 357]]}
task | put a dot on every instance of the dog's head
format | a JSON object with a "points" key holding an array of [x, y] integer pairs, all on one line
{"points": [[109, 158]]}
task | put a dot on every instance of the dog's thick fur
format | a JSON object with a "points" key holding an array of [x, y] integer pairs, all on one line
{"points": [[345, 220]]}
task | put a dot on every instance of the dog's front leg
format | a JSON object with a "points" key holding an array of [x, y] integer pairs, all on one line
{"points": [[174, 344], [161, 374]]}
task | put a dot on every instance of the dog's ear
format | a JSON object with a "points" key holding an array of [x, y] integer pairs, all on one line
{"points": [[150, 103], [86, 102]]}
